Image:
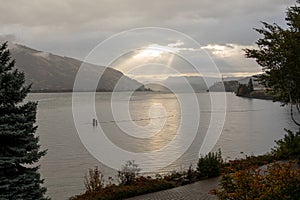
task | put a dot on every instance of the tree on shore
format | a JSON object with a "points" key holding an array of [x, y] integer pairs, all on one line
{"points": [[19, 148], [245, 89], [278, 54], [250, 85]]}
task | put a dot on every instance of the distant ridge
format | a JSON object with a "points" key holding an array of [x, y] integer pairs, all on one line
{"points": [[187, 83], [231, 84], [53, 73]]}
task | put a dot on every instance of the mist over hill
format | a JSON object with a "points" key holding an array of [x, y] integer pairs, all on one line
{"points": [[202, 84], [187, 83], [49, 72]]}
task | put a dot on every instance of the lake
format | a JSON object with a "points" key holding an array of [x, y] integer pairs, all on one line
{"points": [[250, 127]]}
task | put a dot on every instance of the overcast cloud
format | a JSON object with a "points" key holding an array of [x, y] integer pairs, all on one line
{"points": [[74, 27]]}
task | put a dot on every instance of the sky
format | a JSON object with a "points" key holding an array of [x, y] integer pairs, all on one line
{"points": [[74, 28]]}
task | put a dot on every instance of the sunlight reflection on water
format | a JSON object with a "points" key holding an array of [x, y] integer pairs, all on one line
{"points": [[251, 126]]}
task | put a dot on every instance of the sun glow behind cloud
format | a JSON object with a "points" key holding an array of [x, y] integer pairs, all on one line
{"points": [[148, 53], [151, 62], [154, 50], [158, 62]]}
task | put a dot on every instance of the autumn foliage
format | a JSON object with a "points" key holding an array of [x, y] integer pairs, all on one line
{"points": [[277, 181]]}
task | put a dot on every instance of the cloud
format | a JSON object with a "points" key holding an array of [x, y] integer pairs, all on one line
{"points": [[160, 61], [74, 27], [231, 58], [69, 16], [176, 44]]}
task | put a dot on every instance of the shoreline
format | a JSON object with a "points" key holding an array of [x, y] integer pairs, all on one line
{"points": [[258, 94]]}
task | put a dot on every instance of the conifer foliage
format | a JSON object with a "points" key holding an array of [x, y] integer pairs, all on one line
{"points": [[19, 148]]}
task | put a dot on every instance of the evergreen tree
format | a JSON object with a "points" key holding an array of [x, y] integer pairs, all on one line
{"points": [[19, 148], [250, 85], [243, 90]]}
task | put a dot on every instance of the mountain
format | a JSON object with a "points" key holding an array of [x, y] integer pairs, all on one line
{"points": [[49, 72], [185, 83], [180, 84], [231, 84], [225, 86]]}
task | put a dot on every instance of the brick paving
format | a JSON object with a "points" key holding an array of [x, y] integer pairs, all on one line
{"points": [[195, 191]]}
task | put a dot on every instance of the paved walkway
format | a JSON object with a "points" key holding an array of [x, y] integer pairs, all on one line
{"points": [[195, 191]]}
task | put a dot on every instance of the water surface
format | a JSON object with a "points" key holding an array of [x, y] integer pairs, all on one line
{"points": [[251, 126]]}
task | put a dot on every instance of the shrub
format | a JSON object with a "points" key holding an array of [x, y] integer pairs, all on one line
{"points": [[210, 165], [289, 146], [94, 181], [141, 185], [128, 173], [247, 162], [183, 177], [173, 176], [191, 174], [278, 181]]}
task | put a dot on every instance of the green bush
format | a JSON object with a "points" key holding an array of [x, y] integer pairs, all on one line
{"points": [[210, 165], [289, 146]]}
